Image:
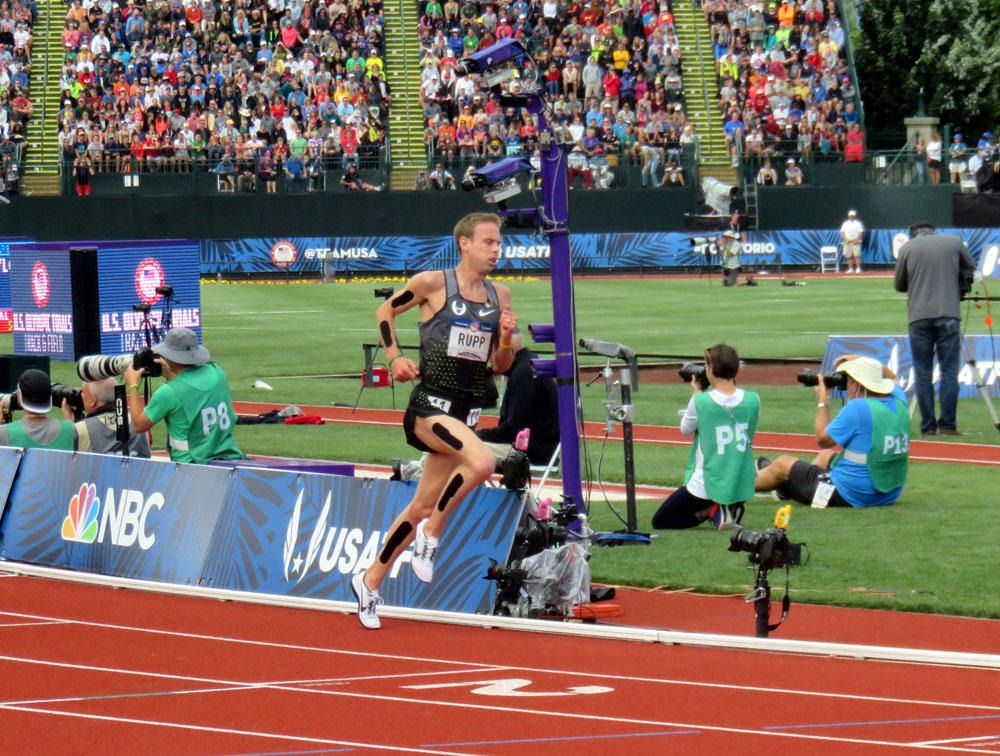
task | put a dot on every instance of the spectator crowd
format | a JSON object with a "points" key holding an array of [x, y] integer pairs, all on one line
{"points": [[610, 74], [249, 89], [257, 90], [16, 109], [785, 88]]}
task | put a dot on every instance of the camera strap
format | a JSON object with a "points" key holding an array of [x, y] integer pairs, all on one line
{"points": [[786, 605]]}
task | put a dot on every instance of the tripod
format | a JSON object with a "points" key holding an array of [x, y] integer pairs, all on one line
{"points": [[970, 360], [709, 251], [366, 377], [167, 321], [623, 413], [760, 597]]}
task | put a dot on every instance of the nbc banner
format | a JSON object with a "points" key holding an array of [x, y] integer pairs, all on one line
{"points": [[246, 529]]}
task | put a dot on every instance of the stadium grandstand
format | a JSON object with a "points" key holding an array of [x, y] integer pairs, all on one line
{"points": [[205, 96]]}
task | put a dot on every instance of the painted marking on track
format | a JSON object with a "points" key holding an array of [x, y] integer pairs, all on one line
{"points": [[348, 653], [554, 739], [882, 722], [494, 708], [983, 741], [349, 745], [512, 687]]}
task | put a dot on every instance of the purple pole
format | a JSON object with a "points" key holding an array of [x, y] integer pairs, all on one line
{"points": [[552, 220], [554, 224]]}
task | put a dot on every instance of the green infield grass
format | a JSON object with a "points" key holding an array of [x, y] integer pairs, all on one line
{"points": [[936, 550]]}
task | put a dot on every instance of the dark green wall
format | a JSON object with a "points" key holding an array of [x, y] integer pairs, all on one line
{"points": [[225, 216], [798, 207]]}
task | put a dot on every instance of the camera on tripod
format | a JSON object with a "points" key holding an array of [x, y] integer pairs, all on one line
{"points": [[810, 377], [769, 550], [705, 245], [694, 371], [538, 546]]}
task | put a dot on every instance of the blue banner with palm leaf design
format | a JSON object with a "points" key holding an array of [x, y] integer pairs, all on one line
{"points": [[248, 529], [353, 255]]}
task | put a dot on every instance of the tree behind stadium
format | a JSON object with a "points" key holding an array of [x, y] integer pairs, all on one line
{"points": [[946, 47]]}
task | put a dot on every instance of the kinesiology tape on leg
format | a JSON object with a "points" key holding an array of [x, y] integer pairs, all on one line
{"points": [[450, 490], [395, 540], [445, 435]]}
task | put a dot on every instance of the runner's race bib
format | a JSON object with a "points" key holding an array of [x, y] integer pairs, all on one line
{"points": [[469, 340]]}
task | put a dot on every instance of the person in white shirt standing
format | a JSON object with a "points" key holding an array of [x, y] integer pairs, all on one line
{"points": [[851, 232]]}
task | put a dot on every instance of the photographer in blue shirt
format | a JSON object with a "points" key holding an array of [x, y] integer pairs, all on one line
{"points": [[873, 430]]}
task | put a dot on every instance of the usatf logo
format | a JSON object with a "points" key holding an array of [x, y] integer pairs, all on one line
{"points": [[122, 520], [330, 549]]}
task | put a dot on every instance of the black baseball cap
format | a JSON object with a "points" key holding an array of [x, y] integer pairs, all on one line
{"points": [[34, 391]]}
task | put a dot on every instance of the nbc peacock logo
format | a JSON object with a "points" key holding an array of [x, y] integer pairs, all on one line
{"points": [[81, 520]]}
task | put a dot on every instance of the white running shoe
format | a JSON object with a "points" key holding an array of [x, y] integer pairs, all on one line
{"points": [[424, 549], [367, 602]]}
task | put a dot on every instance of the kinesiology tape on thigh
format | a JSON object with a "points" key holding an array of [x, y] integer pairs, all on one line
{"points": [[446, 435]]}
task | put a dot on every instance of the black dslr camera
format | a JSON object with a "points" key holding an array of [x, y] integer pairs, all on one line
{"points": [[694, 371], [810, 377], [73, 396], [145, 358], [769, 549]]}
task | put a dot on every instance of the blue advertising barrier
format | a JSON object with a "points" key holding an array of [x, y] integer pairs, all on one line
{"points": [[245, 529], [894, 351], [520, 252]]}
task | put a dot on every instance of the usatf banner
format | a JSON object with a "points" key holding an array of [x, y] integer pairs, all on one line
{"points": [[349, 255], [246, 529], [894, 351]]}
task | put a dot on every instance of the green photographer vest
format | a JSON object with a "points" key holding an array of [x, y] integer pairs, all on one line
{"points": [[64, 440], [724, 437], [889, 455]]}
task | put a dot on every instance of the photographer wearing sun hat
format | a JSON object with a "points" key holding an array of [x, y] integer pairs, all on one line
{"points": [[873, 429], [36, 430], [195, 402]]}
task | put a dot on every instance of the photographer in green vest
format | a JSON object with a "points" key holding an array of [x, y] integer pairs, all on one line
{"points": [[720, 471], [194, 402], [36, 430]]}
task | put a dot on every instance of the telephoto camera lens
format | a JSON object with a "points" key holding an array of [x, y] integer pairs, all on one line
{"points": [[810, 377], [97, 367], [696, 371]]}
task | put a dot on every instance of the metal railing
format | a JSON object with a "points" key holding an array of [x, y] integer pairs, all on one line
{"points": [[166, 177]]}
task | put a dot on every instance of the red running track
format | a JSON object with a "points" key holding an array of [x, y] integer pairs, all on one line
{"points": [[90, 669]]}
